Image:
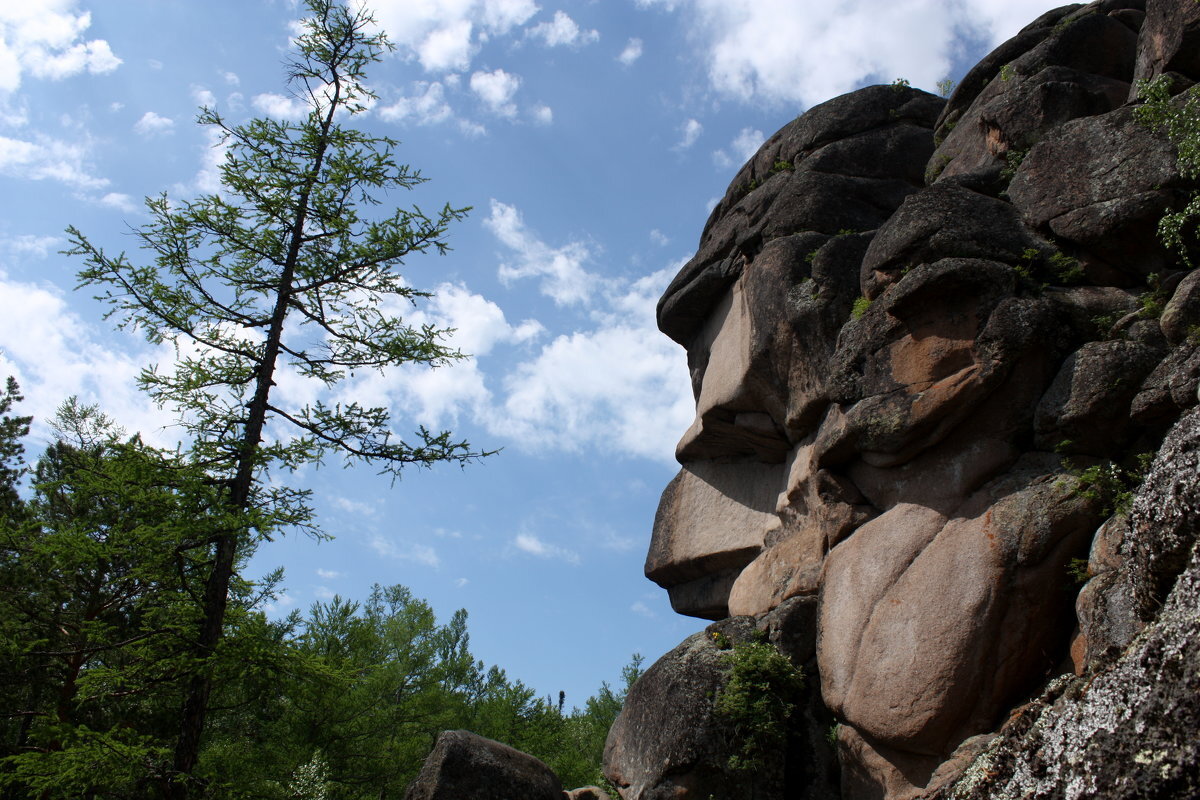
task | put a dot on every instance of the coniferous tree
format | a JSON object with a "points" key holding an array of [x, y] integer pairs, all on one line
{"points": [[283, 269]]}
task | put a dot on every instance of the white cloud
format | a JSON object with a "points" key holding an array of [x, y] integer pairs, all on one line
{"points": [[54, 354], [751, 51], [324, 593], [461, 582], [231, 78], [119, 201], [496, 90], [631, 53], [279, 106], [38, 246], [621, 387], [437, 398], [543, 115], [152, 124], [49, 159], [659, 238], [208, 177], [444, 35], [743, 146], [355, 506], [561, 269], [45, 40], [329, 574], [404, 551], [447, 48], [689, 132], [642, 609], [201, 96], [426, 106], [563, 31], [531, 544]]}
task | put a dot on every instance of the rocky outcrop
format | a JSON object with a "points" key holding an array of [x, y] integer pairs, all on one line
{"points": [[463, 765], [933, 345]]}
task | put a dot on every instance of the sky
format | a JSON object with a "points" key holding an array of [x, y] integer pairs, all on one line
{"points": [[591, 139]]}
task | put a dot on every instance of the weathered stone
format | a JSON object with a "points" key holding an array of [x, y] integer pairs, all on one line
{"points": [[1169, 41], [463, 765], [1086, 409], [877, 410], [1013, 114], [1128, 730], [1181, 315], [986, 71], [920, 670], [780, 193], [944, 222], [1123, 178], [588, 793], [713, 517]]}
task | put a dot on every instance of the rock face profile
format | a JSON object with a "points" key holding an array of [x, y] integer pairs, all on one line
{"points": [[945, 455]]}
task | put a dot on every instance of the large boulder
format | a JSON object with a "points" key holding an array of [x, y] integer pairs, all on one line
{"points": [[920, 412], [465, 766]]}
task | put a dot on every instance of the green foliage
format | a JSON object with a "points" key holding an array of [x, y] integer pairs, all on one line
{"points": [[12, 430], [782, 166], [946, 87], [1112, 484], [289, 267], [1078, 571], [1007, 72], [1066, 268], [1179, 118], [99, 580], [901, 83], [1152, 301], [757, 701], [1013, 158], [861, 304]]}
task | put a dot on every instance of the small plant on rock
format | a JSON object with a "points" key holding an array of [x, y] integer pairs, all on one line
{"points": [[860, 307], [757, 702], [1179, 118]]}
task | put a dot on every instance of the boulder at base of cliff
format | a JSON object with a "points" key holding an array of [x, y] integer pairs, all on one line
{"points": [[464, 766]]}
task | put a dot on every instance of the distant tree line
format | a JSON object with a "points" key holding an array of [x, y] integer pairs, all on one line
{"points": [[101, 593]]}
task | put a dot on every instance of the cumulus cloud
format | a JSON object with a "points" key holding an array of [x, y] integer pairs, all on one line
{"points": [[279, 106], [783, 52], [152, 124], [38, 246], [561, 269], [46, 158], [563, 31], [45, 39], [534, 546], [631, 53], [444, 36], [437, 398], [689, 132], [119, 201], [404, 551], [54, 354], [743, 146], [543, 115], [329, 574], [425, 106], [496, 90], [620, 387]]}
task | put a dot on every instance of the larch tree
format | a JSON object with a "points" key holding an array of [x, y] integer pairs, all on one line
{"points": [[283, 268]]}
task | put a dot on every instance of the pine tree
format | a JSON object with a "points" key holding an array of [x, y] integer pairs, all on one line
{"points": [[283, 268]]}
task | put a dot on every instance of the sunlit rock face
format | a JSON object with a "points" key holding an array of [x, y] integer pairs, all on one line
{"points": [[911, 324]]}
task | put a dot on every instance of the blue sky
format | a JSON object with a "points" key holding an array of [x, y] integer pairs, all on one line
{"points": [[591, 138]]}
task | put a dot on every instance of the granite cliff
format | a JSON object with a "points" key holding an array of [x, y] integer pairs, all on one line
{"points": [[946, 446]]}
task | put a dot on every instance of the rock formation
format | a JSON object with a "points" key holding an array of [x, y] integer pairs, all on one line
{"points": [[929, 341]]}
